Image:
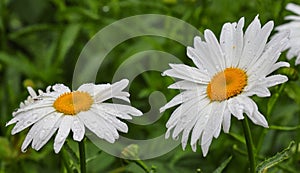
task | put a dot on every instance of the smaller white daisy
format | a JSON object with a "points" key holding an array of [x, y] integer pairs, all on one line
{"points": [[294, 27], [66, 110]]}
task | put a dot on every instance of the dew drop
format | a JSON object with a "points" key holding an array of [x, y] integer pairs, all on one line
{"points": [[42, 134], [109, 121], [76, 136], [107, 134], [184, 143], [105, 9], [61, 139], [94, 124], [176, 138]]}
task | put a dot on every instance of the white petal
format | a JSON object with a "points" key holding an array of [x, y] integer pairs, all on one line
{"points": [[227, 42], [61, 88], [49, 127], [293, 7], [254, 47], [26, 119], [205, 147], [200, 124], [99, 126], [78, 129], [202, 51], [238, 44], [188, 73], [292, 17], [180, 98], [35, 105], [235, 108], [259, 119], [118, 110], [63, 132], [259, 90], [186, 132], [213, 126], [185, 85], [91, 88], [184, 108], [279, 65], [115, 90], [197, 59], [263, 66], [226, 120], [215, 49], [112, 120], [31, 92], [90, 120], [275, 80], [29, 137], [189, 115], [201, 58], [242, 104]]}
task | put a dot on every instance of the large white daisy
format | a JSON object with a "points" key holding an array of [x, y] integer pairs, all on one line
{"points": [[294, 27], [66, 110], [227, 73]]}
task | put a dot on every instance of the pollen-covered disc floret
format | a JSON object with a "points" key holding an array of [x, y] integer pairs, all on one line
{"points": [[293, 26], [72, 103], [228, 71], [226, 84], [59, 109]]}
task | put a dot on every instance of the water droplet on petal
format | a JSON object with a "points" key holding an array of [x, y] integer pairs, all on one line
{"points": [[176, 138], [42, 134]]}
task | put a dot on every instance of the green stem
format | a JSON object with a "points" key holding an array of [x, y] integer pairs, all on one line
{"points": [[82, 157], [296, 155], [249, 143], [270, 107], [142, 165], [65, 162]]}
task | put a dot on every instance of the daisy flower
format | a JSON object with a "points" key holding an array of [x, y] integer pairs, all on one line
{"points": [[227, 73], [66, 110], [294, 27]]}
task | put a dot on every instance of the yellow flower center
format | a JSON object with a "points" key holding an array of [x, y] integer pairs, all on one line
{"points": [[72, 103], [226, 84]]}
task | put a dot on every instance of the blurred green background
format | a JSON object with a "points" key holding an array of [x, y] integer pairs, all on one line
{"points": [[40, 42]]}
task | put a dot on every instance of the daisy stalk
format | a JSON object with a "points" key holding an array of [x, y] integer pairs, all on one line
{"points": [[250, 145], [82, 156]]}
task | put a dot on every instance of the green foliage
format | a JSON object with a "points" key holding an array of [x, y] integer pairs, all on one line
{"points": [[40, 42], [223, 165], [275, 160]]}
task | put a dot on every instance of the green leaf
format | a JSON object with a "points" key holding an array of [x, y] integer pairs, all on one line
{"points": [[223, 165], [19, 63], [71, 153], [237, 137], [285, 128], [293, 91], [67, 40], [5, 149], [32, 29], [278, 158]]}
